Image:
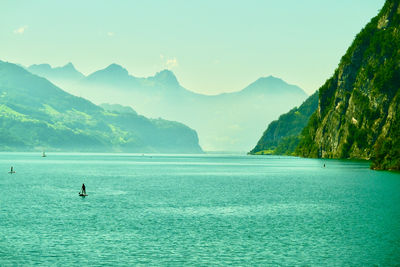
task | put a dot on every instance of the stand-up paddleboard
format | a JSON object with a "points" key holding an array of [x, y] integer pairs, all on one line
{"points": [[82, 193], [12, 170]]}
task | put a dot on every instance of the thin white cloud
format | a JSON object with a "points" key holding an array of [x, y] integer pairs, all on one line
{"points": [[171, 63], [20, 30]]}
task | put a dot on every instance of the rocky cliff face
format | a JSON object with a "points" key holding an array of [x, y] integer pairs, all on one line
{"points": [[359, 106]]}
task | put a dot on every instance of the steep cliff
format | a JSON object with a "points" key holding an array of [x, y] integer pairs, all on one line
{"points": [[359, 106]]}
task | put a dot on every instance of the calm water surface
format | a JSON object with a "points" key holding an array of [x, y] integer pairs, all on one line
{"points": [[196, 210]]}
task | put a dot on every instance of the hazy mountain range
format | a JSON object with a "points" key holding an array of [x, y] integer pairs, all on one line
{"points": [[35, 114], [228, 122]]}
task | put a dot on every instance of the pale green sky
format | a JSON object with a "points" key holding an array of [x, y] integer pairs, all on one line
{"points": [[212, 46]]}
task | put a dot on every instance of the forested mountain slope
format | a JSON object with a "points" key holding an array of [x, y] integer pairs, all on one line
{"points": [[36, 115], [359, 106]]}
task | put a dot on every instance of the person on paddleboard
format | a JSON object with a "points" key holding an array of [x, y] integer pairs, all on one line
{"points": [[83, 189]]}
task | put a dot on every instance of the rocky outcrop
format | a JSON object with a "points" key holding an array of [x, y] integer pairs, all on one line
{"points": [[358, 110]]}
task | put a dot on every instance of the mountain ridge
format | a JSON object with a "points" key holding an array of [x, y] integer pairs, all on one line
{"points": [[68, 71], [222, 120], [162, 75], [36, 114]]}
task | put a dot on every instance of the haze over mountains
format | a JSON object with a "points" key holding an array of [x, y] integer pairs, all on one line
{"points": [[36, 115], [224, 122], [59, 75]]}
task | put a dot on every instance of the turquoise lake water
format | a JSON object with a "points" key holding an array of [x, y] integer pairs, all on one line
{"points": [[196, 210]]}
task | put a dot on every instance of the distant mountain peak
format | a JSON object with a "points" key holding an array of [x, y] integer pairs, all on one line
{"points": [[114, 66], [112, 74], [45, 66], [40, 66], [69, 65], [68, 71], [116, 69], [270, 79], [165, 72], [274, 85], [167, 77]]}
